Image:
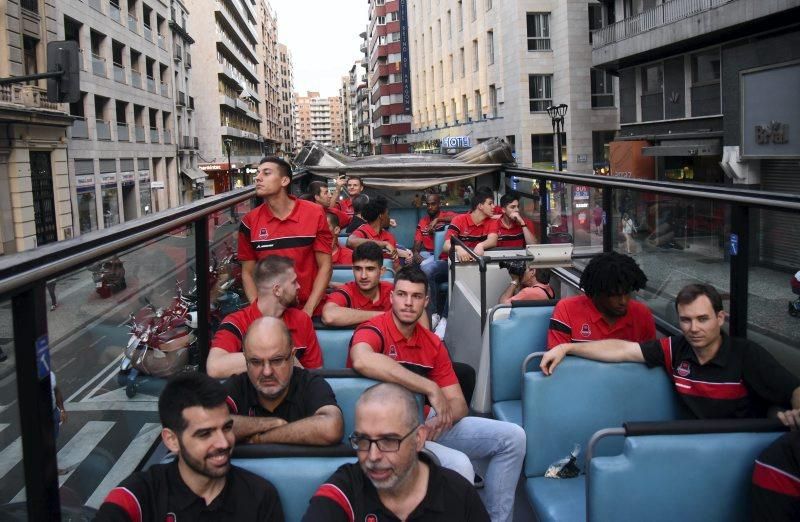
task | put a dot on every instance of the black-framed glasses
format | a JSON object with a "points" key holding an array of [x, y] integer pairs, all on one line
{"points": [[275, 363], [386, 444]]}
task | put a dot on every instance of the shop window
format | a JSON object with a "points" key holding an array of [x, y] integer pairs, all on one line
{"points": [[110, 206], [87, 211]]}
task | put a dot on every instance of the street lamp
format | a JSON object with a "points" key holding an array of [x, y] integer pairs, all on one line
{"points": [[557, 114], [394, 140], [228, 142]]}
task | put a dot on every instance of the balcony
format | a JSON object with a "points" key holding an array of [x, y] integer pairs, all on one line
{"points": [[119, 73], [178, 56], [188, 61], [99, 65], [164, 90], [133, 22], [113, 12], [196, 142], [236, 15], [136, 79], [186, 142], [181, 101], [167, 137], [95, 4], [139, 131], [123, 132], [162, 42], [148, 33], [154, 135], [103, 129], [80, 130], [27, 96], [151, 84], [191, 103]]}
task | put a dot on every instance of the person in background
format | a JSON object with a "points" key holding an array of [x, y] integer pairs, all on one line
{"points": [[354, 188], [359, 202], [376, 214], [435, 220], [512, 230], [341, 255], [532, 285], [775, 489], [322, 196]]}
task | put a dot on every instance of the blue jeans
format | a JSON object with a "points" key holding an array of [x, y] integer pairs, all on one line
{"points": [[437, 273], [503, 443]]}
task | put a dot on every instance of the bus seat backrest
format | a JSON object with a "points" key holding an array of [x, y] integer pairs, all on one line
{"points": [[335, 344]]}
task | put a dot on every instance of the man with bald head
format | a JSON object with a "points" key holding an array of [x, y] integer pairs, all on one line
{"points": [[276, 402], [393, 479]]}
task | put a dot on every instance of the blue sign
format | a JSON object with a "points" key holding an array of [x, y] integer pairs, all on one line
{"points": [[733, 246], [42, 357], [405, 62]]}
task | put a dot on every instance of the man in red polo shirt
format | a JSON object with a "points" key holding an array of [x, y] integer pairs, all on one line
{"points": [[394, 347], [277, 286], [340, 255], [607, 309], [376, 214], [323, 197], [286, 226], [434, 221], [512, 230], [354, 187]]}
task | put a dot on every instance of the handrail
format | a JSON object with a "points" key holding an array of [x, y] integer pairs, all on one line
{"points": [[18, 271], [454, 240]]}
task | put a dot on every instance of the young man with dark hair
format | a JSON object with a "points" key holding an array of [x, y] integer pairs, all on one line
{"points": [[393, 479], [358, 203], [277, 287], [286, 226], [276, 402], [322, 196], [376, 215], [435, 220], [512, 230], [716, 376], [341, 255], [607, 309], [394, 347], [200, 484], [354, 187], [533, 285]]}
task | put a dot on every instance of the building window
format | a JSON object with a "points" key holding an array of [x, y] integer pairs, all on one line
{"points": [[652, 92], [705, 83], [476, 58], [474, 10], [488, 5], [460, 15], [29, 55], [465, 108], [540, 91], [602, 89], [493, 100], [453, 110], [463, 62], [538, 31], [452, 69], [441, 73], [478, 106], [490, 46]]}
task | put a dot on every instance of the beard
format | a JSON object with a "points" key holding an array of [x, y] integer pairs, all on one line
{"points": [[203, 467], [395, 479]]}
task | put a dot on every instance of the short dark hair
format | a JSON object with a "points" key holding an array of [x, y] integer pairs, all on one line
{"points": [[270, 267], [315, 188], [543, 275], [413, 274], [508, 198], [368, 251], [333, 219], [187, 390], [359, 202], [689, 293], [374, 208], [284, 168], [612, 273], [480, 196], [307, 197]]}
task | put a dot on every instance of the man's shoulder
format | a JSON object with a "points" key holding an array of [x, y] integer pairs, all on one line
{"points": [[459, 219], [253, 214], [308, 208], [573, 302], [376, 323], [155, 478], [386, 286], [294, 317]]}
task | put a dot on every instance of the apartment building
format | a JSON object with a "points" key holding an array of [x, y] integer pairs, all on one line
{"points": [[286, 140], [269, 86], [356, 105], [389, 77], [122, 144], [229, 119], [35, 196], [337, 122], [314, 117], [482, 69], [708, 93]]}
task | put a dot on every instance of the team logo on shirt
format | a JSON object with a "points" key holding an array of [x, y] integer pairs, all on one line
{"points": [[585, 330], [371, 518], [262, 233], [392, 352], [684, 369], [170, 518]]}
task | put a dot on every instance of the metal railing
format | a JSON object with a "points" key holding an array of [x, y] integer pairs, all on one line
{"points": [[132, 22], [119, 73], [151, 84], [662, 14], [98, 65], [164, 90], [80, 129], [140, 134], [136, 79], [103, 129], [113, 11], [148, 33], [167, 137], [123, 132], [154, 135]]}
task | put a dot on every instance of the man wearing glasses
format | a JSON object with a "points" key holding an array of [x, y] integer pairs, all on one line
{"points": [[276, 402], [394, 478]]}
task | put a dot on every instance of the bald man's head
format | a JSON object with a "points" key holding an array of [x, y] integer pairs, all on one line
{"points": [[267, 331], [393, 395]]}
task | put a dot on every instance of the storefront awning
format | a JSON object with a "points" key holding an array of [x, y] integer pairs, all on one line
{"points": [[710, 147], [198, 176]]}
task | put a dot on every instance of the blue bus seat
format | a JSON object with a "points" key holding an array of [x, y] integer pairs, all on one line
{"points": [[348, 388], [438, 242], [702, 477], [343, 240], [512, 339], [567, 408], [335, 344]]}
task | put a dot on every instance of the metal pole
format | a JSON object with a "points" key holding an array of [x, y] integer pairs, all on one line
{"points": [[31, 77], [543, 219], [739, 251], [608, 227], [558, 123], [203, 288]]}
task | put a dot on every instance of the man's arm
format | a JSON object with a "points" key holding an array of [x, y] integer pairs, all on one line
{"points": [[321, 280], [245, 426], [221, 364], [458, 408], [791, 417], [607, 350], [335, 315], [487, 244], [353, 241], [415, 250], [530, 238], [324, 428], [508, 293], [382, 368], [247, 280]]}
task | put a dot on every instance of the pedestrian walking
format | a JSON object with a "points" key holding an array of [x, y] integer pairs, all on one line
{"points": [[51, 289]]}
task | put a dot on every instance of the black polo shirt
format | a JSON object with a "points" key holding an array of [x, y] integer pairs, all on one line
{"points": [[159, 494], [308, 392], [776, 481], [741, 381], [348, 495]]}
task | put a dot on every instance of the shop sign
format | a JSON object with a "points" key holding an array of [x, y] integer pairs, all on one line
{"points": [[84, 181], [627, 161], [212, 166], [462, 142], [404, 56], [144, 175], [770, 110], [108, 179], [156, 184], [128, 178]]}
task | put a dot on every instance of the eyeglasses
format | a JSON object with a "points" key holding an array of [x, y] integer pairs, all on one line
{"points": [[386, 444], [275, 363]]}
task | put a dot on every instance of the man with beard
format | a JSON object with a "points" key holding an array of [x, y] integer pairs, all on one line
{"points": [[277, 286], [322, 195], [434, 221], [394, 479], [394, 347], [607, 310], [285, 226], [276, 402], [200, 484]]}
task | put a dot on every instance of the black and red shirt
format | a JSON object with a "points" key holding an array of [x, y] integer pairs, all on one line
{"points": [[231, 332], [366, 231], [349, 296], [342, 256], [509, 236], [160, 494], [344, 217], [346, 206], [424, 236], [775, 495], [741, 381], [467, 230], [299, 236]]}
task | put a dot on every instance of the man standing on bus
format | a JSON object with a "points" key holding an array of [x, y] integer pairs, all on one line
{"points": [[354, 187]]}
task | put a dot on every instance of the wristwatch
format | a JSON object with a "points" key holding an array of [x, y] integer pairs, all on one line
{"points": [[514, 283]]}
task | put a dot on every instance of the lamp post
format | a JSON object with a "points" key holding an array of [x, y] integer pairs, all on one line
{"points": [[228, 142], [557, 114], [394, 141]]}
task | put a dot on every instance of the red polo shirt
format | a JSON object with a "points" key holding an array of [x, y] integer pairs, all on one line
{"points": [[346, 206], [467, 230], [510, 237], [230, 335], [426, 238], [424, 353], [303, 232], [344, 217], [576, 319], [342, 256], [367, 232], [349, 296]]}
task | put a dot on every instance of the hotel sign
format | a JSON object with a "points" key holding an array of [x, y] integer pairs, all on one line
{"points": [[456, 142], [404, 56], [770, 121]]}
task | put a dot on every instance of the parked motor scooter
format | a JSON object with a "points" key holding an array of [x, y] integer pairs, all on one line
{"points": [[108, 276]]}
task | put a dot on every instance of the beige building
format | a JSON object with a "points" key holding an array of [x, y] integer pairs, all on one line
{"points": [[286, 139], [490, 69], [269, 86], [337, 121], [318, 119]]}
